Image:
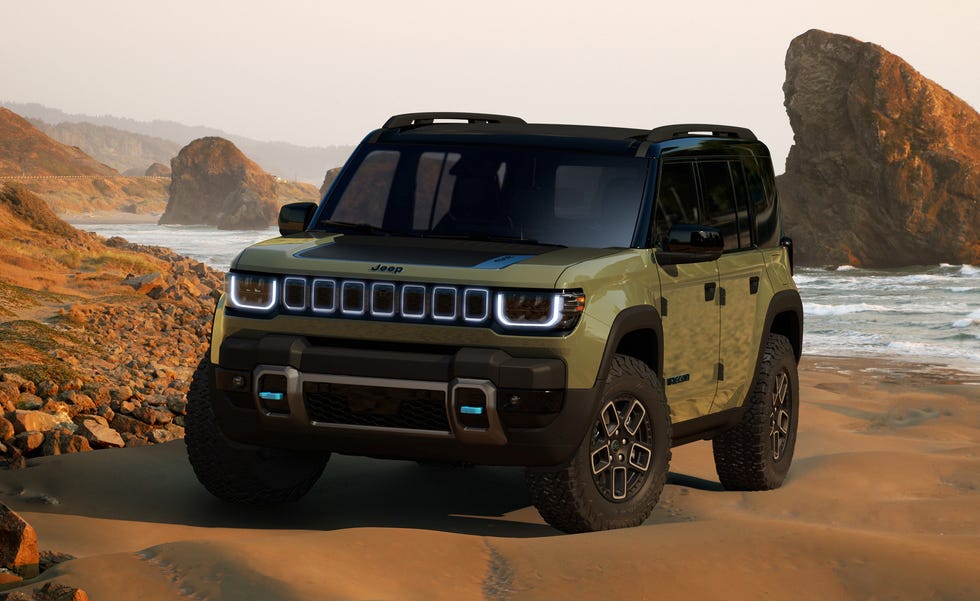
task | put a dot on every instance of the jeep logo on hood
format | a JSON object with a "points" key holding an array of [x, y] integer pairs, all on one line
{"points": [[388, 268]]}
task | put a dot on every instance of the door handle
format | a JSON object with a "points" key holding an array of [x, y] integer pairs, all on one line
{"points": [[709, 291]]}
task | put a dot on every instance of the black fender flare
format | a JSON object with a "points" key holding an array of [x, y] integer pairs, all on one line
{"points": [[639, 317]]}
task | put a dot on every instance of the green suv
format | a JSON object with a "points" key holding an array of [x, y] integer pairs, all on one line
{"points": [[477, 289]]}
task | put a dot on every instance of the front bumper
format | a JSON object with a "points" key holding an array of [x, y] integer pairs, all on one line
{"points": [[465, 404]]}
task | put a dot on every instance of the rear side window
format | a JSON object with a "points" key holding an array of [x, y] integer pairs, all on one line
{"points": [[725, 207], [762, 197]]}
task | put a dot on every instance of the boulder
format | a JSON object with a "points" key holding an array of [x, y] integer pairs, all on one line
{"points": [[129, 425], [27, 442], [18, 544], [61, 441], [6, 429], [37, 421], [213, 183], [99, 434], [885, 166], [145, 284]]}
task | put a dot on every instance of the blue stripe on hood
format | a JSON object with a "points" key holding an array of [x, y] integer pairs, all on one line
{"points": [[502, 261]]}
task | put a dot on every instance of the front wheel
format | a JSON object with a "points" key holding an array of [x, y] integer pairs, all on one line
{"points": [[236, 472], [756, 453], [615, 477]]}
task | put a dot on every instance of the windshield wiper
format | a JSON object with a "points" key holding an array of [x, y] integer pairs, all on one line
{"points": [[361, 228]]}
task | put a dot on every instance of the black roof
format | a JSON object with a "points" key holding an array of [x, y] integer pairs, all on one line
{"points": [[483, 128]]}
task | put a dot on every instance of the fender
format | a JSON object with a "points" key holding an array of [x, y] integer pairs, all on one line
{"points": [[639, 317]]}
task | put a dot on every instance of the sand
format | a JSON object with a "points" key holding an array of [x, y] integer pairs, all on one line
{"points": [[882, 502]]}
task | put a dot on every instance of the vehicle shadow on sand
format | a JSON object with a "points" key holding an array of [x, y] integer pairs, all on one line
{"points": [[156, 484]]}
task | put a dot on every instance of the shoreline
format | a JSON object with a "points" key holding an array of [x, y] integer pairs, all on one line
{"points": [[110, 218]]}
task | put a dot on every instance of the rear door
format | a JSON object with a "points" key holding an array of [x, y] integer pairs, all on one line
{"points": [[725, 203]]}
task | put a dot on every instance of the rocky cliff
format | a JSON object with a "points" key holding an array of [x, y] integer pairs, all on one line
{"points": [[287, 161], [213, 183], [123, 150], [885, 168], [26, 150]]}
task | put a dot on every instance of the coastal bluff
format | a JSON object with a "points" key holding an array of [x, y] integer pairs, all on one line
{"points": [[885, 166], [214, 183]]}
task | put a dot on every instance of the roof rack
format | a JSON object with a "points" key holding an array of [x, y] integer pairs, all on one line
{"points": [[687, 130], [410, 119]]}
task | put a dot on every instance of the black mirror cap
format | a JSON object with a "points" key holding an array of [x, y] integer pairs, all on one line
{"points": [[787, 243], [687, 243], [295, 217]]}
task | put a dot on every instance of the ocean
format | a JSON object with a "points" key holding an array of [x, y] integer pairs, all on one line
{"points": [[926, 314]]}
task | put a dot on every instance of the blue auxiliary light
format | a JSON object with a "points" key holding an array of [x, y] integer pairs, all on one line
{"points": [[271, 396], [470, 410]]}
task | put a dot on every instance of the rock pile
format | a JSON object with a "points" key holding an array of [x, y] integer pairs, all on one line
{"points": [[124, 369]]}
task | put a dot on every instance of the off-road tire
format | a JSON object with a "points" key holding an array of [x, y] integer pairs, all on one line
{"points": [[756, 454], [573, 498], [236, 472]]}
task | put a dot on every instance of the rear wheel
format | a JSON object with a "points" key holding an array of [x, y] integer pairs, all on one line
{"points": [[756, 454], [615, 477], [236, 472]]}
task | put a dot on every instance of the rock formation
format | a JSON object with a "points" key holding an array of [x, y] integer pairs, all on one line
{"points": [[157, 170], [328, 180], [126, 151], [885, 169], [26, 150], [213, 183]]}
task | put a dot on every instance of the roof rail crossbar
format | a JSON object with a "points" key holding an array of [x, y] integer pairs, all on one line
{"points": [[684, 130], [410, 119]]}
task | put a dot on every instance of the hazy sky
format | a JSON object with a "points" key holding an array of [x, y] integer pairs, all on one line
{"points": [[320, 72]]}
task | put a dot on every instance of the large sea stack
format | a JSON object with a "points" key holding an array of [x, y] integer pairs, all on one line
{"points": [[213, 183], [885, 169]]}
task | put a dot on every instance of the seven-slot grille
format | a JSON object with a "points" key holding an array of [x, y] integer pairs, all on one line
{"points": [[385, 300]]}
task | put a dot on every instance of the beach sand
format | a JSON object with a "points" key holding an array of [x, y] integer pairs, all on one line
{"points": [[882, 502]]}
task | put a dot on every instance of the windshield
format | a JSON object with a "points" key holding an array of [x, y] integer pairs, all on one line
{"points": [[536, 195]]}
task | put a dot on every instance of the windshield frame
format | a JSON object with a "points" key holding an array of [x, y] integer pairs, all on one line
{"points": [[645, 171]]}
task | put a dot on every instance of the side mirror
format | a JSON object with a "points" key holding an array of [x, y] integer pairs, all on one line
{"points": [[294, 217], [691, 244], [787, 243]]}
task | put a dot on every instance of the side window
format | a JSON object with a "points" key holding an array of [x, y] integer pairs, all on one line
{"points": [[366, 196], [763, 201], [741, 205], [677, 199], [720, 204]]}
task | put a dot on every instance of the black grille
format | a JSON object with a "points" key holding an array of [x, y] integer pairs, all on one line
{"points": [[376, 406]]}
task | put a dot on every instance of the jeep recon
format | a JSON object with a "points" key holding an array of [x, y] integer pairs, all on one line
{"points": [[473, 288]]}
